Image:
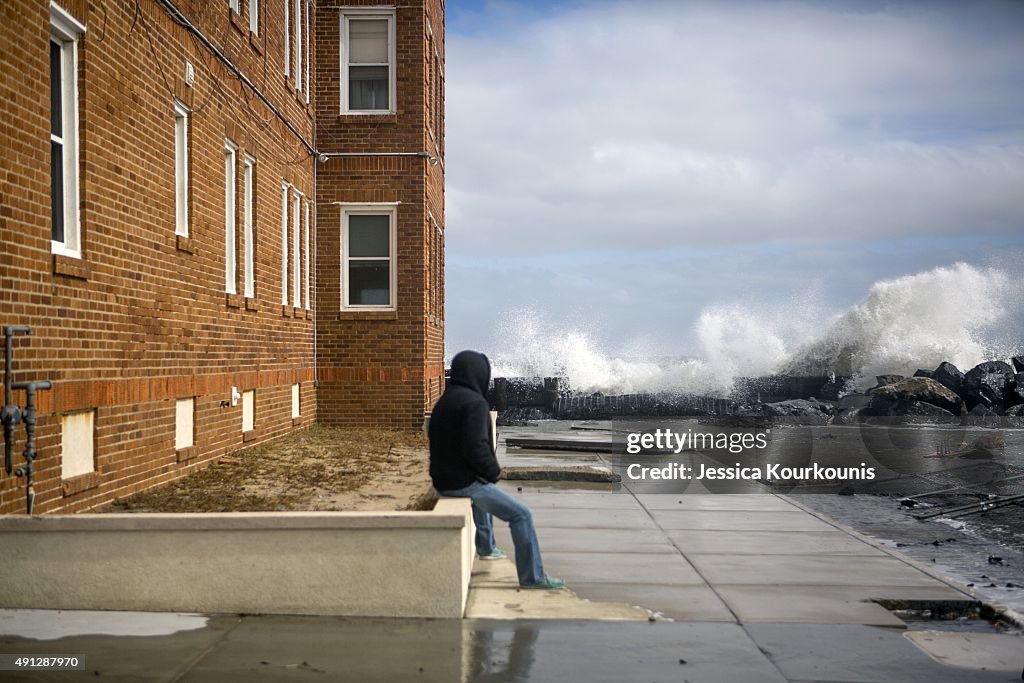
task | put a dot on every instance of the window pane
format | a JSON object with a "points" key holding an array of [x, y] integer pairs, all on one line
{"points": [[368, 41], [367, 87], [181, 174], [247, 245], [284, 245], [57, 190], [369, 283], [230, 269], [369, 235], [56, 112]]}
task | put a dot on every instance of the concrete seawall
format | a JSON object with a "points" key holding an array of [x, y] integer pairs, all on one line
{"points": [[388, 564]]}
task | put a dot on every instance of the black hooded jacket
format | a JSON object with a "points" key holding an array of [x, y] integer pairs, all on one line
{"points": [[460, 427]]}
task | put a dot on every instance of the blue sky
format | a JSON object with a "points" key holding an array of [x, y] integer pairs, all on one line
{"points": [[621, 169]]}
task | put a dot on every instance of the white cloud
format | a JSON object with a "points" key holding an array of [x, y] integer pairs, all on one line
{"points": [[642, 127]]}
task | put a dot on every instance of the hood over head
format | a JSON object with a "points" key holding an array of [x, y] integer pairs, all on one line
{"points": [[471, 369]]}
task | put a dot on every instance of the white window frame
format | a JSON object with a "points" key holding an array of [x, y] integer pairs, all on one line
{"points": [[306, 43], [65, 31], [296, 248], [287, 38], [391, 209], [181, 169], [249, 411], [285, 187], [298, 45], [254, 16], [248, 232], [230, 216], [369, 13], [184, 423], [305, 253], [78, 443]]}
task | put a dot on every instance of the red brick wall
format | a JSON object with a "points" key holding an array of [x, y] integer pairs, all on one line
{"points": [[149, 322], [382, 367]]}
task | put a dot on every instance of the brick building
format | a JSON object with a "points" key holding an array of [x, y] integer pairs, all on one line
{"points": [[223, 221]]}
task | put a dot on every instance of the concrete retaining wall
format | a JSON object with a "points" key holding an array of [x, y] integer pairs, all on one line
{"points": [[393, 564]]}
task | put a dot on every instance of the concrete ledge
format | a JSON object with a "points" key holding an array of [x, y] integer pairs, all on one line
{"points": [[394, 564]]}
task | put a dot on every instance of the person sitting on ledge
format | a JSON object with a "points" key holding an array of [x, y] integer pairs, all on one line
{"points": [[463, 465]]}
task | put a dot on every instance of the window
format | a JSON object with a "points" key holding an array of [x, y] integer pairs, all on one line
{"points": [[254, 16], [181, 183], [248, 170], [295, 402], [436, 248], [306, 43], [230, 267], [439, 108], [368, 255], [284, 244], [296, 261], [298, 44], [368, 58], [287, 39], [184, 423], [77, 444], [233, 4], [248, 410], [305, 253], [65, 32], [429, 90]]}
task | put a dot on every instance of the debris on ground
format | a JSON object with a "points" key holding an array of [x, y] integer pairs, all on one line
{"points": [[320, 468]]}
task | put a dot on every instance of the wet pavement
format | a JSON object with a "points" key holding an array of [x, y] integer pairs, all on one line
{"points": [[274, 648], [737, 588], [953, 548]]}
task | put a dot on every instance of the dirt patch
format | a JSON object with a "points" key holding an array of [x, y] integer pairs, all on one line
{"points": [[320, 468]]}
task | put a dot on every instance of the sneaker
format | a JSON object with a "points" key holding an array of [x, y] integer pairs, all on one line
{"points": [[548, 583], [497, 554]]}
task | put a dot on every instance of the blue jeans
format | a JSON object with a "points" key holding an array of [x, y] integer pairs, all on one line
{"points": [[489, 500]]}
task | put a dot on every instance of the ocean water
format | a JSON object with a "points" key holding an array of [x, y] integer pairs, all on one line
{"points": [[959, 313]]}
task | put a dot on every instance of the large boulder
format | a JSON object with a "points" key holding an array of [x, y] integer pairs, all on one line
{"points": [[908, 411], [924, 373], [919, 390], [927, 412], [801, 410], [885, 380], [1018, 389], [989, 384], [1018, 363], [1014, 417], [949, 376]]}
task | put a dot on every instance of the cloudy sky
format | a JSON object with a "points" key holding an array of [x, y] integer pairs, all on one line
{"points": [[620, 167]]}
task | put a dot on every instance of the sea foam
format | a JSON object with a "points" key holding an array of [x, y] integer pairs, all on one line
{"points": [[960, 313]]}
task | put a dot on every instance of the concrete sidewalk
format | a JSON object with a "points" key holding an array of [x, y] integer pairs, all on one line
{"points": [[730, 558], [792, 585]]}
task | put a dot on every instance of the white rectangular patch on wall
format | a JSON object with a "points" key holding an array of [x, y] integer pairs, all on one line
{"points": [[248, 410], [184, 423], [77, 441], [295, 401]]}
